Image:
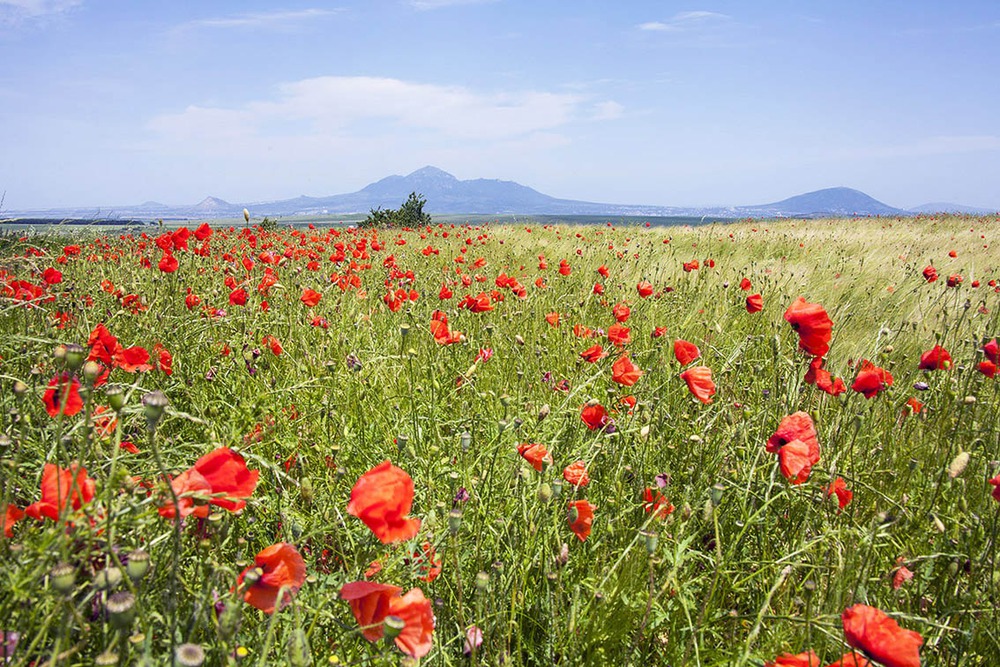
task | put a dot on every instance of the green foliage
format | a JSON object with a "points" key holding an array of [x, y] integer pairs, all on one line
{"points": [[410, 214]]}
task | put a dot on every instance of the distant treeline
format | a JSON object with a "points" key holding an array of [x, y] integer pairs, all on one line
{"points": [[116, 222]]}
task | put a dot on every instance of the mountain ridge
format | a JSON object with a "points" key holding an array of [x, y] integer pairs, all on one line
{"points": [[446, 194]]}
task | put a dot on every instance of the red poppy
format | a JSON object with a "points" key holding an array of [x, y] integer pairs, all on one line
{"points": [[62, 489], [445, 293], [850, 660], [644, 288], [755, 303], [382, 499], [203, 232], [699, 382], [880, 637], [133, 359], [593, 353], [417, 615], [796, 426], [624, 372], [219, 478], [621, 312], [822, 378], [619, 335], [987, 368], [954, 280], [795, 461], [164, 360], [12, 515], [63, 388], [685, 352], [996, 488], [277, 569], [746, 285], [439, 329], [936, 358], [168, 263], [310, 297], [658, 332], [552, 319], [535, 454], [914, 405], [598, 289], [691, 266], [871, 379], [576, 474], [844, 495], [594, 416], [427, 562], [806, 659], [580, 518], [657, 503], [603, 270], [992, 351], [238, 297], [930, 274], [369, 603], [813, 325], [52, 276], [901, 575]]}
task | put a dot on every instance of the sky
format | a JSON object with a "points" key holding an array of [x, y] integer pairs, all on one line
{"points": [[116, 102]]}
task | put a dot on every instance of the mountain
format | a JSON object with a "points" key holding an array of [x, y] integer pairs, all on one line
{"points": [[446, 194], [944, 207], [827, 202]]}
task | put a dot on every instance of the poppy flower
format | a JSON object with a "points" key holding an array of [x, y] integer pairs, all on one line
{"points": [[164, 360], [593, 353], [277, 569], [813, 325], [444, 294], [936, 358], [594, 416], [603, 270], [535, 454], [382, 499], [746, 285], [657, 503], [580, 518], [621, 312], [624, 372], [844, 495], [52, 276], [901, 575], [12, 515], [871, 630], [576, 474], [427, 562], [685, 352], [598, 289], [310, 297], [796, 426], [954, 280], [62, 489], [133, 359], [930, 274], [658, 332], [371, 603], [914, 405], [992, 351], [238, 297], [699, 382], [795, 461], [806, 659], [871, 379], [564, 267], [851, 659], [996, 488], [168, 263], [439, 329], [63, 388], [552, 319], [755, 303], [619, 335], [220, 477], [987, 368], [690, 266], [822, 378], [644, 288]]}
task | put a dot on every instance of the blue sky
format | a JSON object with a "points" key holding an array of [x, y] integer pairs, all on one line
{"points": [[672, 103]]}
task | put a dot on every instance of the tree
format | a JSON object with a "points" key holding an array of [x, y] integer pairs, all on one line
{"points": [[410, 214]]}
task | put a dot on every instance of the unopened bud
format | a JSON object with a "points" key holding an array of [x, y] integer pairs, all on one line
{"points": [[107, 579], [60, 352], [299, 654], [154, 403], [544, 412], [454, 521], [116, 397], [716, 494], [957, 466], [482, 581], [62, 578], [20, 389], [465, 441], [74, 355], [652, 539], [137, 565], [92, 371], [106, 659], [246, 215], [518, 339], [544, 492]]}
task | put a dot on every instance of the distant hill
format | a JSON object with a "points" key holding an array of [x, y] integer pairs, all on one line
{"points": [[944, 207], [446, 194]]}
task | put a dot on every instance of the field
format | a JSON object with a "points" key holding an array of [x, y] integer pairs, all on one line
{"points": [[194, 425]]}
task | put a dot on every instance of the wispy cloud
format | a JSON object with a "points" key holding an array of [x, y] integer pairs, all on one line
{"points": [[356, 104], [15, 11], [273, 20], [684, 21], [424, 5]]}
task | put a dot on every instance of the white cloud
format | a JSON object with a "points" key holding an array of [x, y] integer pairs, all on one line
{"points": [[334, 106], [439, 4], [17, 10], [279, 19], [684, 21]]}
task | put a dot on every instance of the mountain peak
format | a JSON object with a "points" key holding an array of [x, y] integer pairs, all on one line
{"points": [[429, 172]]}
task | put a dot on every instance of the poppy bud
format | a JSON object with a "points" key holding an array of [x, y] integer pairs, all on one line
{"points": [[482, 581], [392, 626], [63, 578], [557, 488], [404, 330], [502, 424], [544, 493], [957, 466], [60, 352], [465, 441], [74, 355], [644, 433], [137, 565], [189, 655], [306, 491], [91, 371], [116, 397], [106, 659], [518, 339], [246, 215], [454, 521], [20, 389], [107, 579], [153, 405], [543, 412], [652, 539], [121, 609]]}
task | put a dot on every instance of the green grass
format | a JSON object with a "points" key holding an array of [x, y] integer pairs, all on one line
{"points": [[746, 567]]}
